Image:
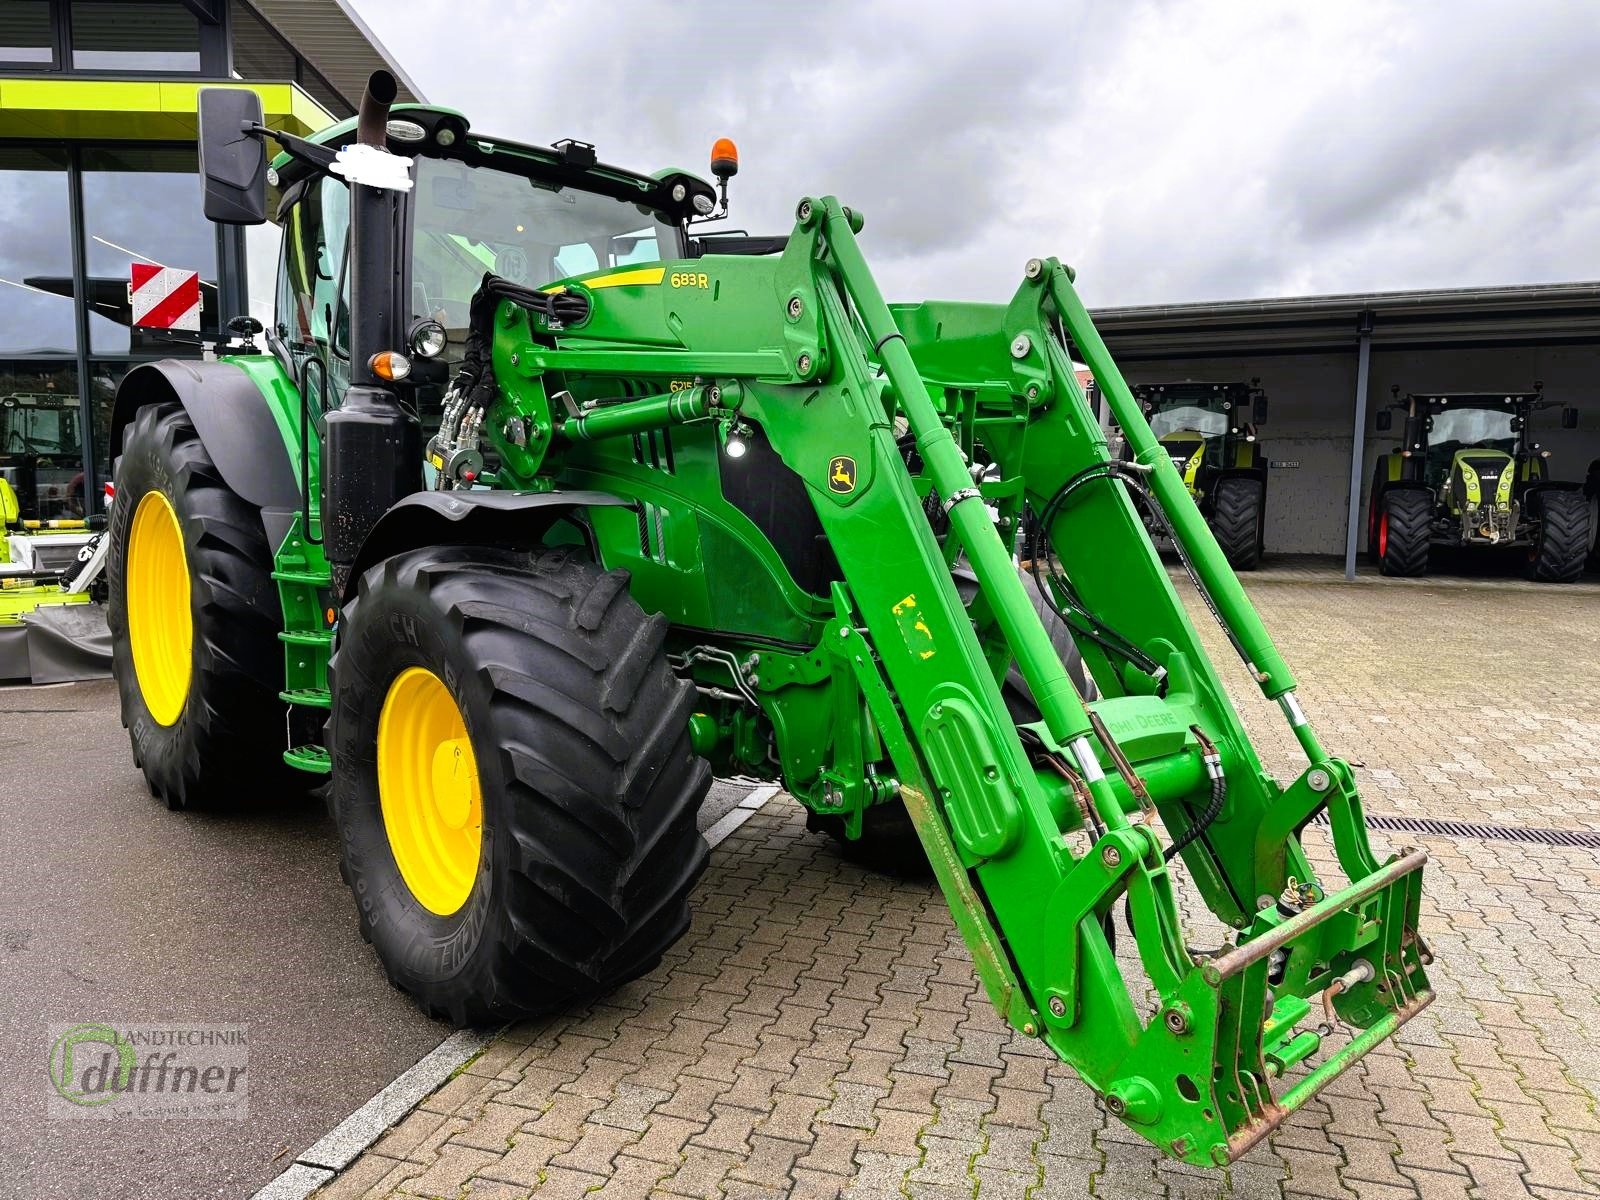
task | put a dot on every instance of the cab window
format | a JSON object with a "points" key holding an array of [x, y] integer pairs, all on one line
{"points": [[312, 313], [471, 221]]}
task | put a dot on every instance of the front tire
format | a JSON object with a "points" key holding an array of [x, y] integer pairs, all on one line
{"points": [[512, 780], [1563, 540], [1405, 527], [194, 618], [1236, 512]]}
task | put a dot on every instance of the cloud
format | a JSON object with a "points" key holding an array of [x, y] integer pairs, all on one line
{"points": [[1169, 151]]}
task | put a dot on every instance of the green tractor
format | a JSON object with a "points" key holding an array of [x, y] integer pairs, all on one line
{"points": [[1209, 429], [1469, 474], [541, 503]]}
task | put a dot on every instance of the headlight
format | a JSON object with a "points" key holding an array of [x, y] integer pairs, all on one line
{"points": [[428, 339]]}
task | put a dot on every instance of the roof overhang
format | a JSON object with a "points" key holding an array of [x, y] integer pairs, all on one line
{"points": [[136, 110], [330, 36], [1548, 314]]}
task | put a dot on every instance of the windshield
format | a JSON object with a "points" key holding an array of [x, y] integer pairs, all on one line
{"points": [[1462, 427], [1182, 417], [1453, 429], [472, 220], [38, 424]]}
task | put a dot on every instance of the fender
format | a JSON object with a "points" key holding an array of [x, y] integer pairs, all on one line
{"points": [[236, 419], [1534, 492], [1258, 472], [468, 519]]}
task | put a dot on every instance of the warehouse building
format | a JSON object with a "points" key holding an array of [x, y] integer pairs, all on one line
{"points": [[1328, 364], [97, 176]]}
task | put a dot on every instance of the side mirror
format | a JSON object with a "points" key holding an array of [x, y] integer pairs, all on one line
{"points": [[1569, 417], [1383, 422], [233, 162], [1258, 413]]}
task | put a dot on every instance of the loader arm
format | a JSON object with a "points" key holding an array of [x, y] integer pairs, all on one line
{"points": [[1035, 830]]}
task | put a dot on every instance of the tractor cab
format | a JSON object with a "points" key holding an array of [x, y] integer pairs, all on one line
{"points": [[1209, 432], [41, 454], [467, 208], [1203, 425]]}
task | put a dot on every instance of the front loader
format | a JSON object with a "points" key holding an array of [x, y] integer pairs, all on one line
{"points": [[542, 502]]}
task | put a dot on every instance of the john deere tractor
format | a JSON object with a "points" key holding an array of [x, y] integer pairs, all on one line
{"points": [[1467, 473], [1209, 430], [540, 504]]}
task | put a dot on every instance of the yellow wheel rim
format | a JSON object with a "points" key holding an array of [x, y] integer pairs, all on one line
{"points": [[160, 626], [428, 788]]}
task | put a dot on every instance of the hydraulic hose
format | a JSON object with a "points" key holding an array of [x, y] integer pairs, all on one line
{"points": [[1219, 796]]}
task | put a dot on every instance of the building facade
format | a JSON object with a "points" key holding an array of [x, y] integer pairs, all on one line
{"points": [[98, 173]]}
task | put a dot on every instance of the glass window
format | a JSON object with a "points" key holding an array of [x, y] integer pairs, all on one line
{"points": [[135, 35], [36, 307], [143, 204], [104, 378], [475, 220], [312, 315], [1189, 418], [258, 52], [41, 438], [25, 35], [262, 245]]}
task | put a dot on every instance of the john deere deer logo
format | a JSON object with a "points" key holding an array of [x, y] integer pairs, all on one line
{"points": [[842, 474]]}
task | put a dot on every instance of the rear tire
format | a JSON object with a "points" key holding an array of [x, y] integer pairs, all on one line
{"points": [[1563, 540], [216, 736], [1405, 526], [1380, 477], [1236, 511], [589, 788]]}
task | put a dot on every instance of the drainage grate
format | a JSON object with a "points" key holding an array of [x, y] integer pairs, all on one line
{"points": [[1583, 838]]}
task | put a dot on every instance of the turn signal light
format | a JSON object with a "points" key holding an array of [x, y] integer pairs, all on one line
{"points": [[389, 365]]}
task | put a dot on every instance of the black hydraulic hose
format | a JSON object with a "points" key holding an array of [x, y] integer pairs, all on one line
{"points": [[1219, 796], [1141, 491], [1103, 635]]}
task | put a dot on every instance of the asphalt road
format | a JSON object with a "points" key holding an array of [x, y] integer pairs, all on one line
{"points": [[114, 909]]}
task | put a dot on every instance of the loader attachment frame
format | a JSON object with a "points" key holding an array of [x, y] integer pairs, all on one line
{"points": [[1036, 831]]}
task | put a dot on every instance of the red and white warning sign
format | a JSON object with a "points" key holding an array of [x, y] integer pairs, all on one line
{"points": [[165, 297]]}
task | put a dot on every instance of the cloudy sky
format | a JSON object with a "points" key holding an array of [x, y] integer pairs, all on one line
{"points": [[1192, 150]]}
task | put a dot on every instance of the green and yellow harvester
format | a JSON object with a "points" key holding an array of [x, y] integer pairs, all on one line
{"points": [[541, 503]]}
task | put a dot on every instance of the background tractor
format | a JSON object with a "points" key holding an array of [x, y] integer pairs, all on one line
{"points": [[1468, 473], [47, 533], [1209, 429], [539, 504]]}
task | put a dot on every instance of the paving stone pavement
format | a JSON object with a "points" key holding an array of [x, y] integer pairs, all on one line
{"points": [[819, 1031]]}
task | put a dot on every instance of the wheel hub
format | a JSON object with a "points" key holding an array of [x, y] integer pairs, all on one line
{"points": [[160, 625], [429, 791]]}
